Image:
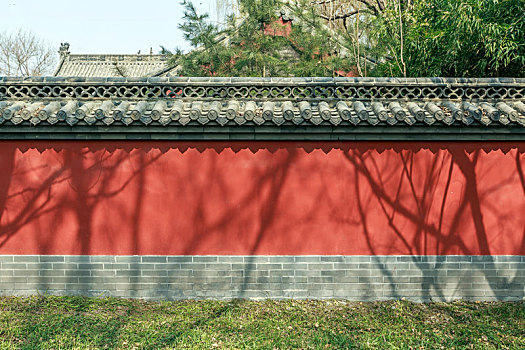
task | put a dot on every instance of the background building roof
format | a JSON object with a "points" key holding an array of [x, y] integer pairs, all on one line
{"points": [[139, 65]]}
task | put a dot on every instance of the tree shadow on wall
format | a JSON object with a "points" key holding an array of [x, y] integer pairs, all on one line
{"points": [[75, 182], [418, 194], [426, 195]]}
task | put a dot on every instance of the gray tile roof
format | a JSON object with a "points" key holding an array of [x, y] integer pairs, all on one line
{"points": [[286, 108], [140, 65]]}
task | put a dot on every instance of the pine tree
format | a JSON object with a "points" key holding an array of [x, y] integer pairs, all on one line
{"points": [[260, 43]]}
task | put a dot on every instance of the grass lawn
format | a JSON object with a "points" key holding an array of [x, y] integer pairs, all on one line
{"points": [[110, 323]]}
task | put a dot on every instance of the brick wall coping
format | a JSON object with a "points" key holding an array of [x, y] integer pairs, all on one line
{"points": [[230, 108]]}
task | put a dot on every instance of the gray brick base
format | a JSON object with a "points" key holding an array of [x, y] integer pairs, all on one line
{"points": [[419, 278]]}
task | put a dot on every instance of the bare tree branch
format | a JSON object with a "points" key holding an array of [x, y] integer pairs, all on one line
{"points": [[333, 18], [120, 70], [24, 54]]}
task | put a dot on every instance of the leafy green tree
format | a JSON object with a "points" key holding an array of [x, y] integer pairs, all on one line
{"points": [[470, 38]]}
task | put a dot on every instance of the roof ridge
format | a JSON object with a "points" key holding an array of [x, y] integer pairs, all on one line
{"points": [[117, 54], [360, 81], [96, 58]]}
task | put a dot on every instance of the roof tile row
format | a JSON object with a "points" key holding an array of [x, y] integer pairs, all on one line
{"points": [[233, 112]]}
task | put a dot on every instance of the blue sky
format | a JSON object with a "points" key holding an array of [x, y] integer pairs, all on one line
{"points": [[101, 26]]}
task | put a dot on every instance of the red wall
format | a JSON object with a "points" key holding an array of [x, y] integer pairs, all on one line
{"points": [[261, 198]]}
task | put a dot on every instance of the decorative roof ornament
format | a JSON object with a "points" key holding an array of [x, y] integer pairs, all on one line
{"points": [[64, 50]]}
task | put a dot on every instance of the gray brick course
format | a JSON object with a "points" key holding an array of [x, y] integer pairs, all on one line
{"points": [[102, 259], [90, 266], [420, 278], [51, 258], [128, 259], [20, 258], [73, 258], [13, 266], [154, 259]]}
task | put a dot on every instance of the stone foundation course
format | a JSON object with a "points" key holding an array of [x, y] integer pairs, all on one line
{"points": [[364, 278]]}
